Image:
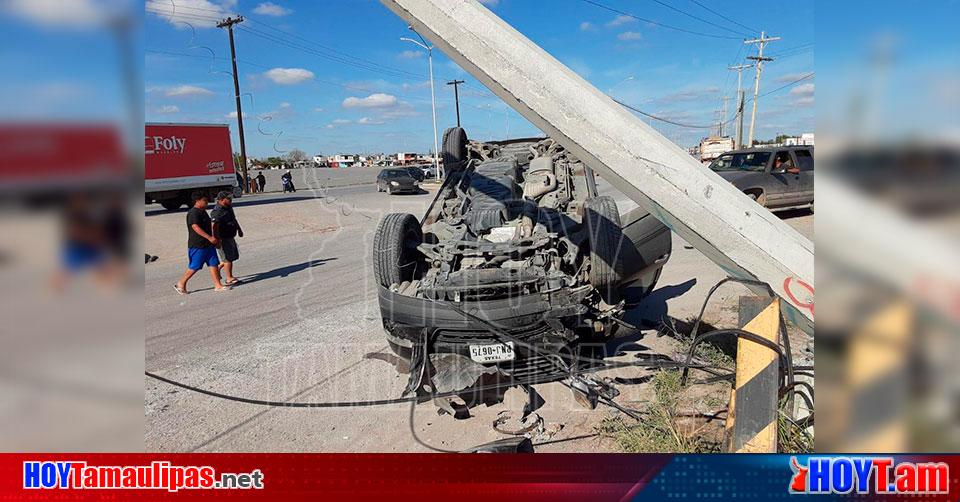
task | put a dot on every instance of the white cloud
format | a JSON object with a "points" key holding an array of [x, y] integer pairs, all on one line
{"points": [[804, 101], [289, 76], [789, 77], [369, 121], [337, 123], [620, 21], [168, 109], [586, 26], [629, 36], [271, 9], [377, 100], [185, 13], [318, 109], [410, 54], [285, 110], [802, 90], [233, 115], [57, 13], [187, 91]]}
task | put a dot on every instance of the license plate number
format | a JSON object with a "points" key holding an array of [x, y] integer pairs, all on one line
{"points": [[493, 353]]}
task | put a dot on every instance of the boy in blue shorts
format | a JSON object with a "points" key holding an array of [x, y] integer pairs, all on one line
{"points": [[201, 245]]}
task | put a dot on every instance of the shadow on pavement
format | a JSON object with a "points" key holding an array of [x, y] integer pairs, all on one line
{"points": [[285, 271], [794, 213], [652, 310]]}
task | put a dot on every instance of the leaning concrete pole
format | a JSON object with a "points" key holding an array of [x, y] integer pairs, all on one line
{"points": [[740, 236]]}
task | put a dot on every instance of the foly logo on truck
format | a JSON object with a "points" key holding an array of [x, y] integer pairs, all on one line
{"points": [[159, 145]]}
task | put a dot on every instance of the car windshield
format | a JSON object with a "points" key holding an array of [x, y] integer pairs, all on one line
{"points": [[395, 174], [747, 161]]}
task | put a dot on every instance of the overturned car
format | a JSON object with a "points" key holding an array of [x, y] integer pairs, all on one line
{"points": [[515, 264]]}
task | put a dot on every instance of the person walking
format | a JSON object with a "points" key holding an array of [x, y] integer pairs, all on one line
{"points": [[201, 245], [226, 229], [261, 180]]}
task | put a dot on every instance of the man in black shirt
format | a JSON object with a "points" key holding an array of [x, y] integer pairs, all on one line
{"points": [[261, 180], [226, 229], [201, 245]]}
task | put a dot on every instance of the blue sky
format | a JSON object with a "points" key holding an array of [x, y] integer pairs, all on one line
{"points": [[333, 76]]}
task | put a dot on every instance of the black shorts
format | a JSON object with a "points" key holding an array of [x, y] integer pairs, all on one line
{"points": [[228, 250]]}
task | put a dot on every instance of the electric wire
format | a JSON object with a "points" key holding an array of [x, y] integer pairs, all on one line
{"points": [[657, 23]]}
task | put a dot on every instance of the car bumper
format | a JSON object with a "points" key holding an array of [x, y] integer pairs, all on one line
{"points": [[527, 318]]}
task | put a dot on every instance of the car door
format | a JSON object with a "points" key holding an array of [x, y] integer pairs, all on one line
{"points": [[805, 164], [785, 186]]}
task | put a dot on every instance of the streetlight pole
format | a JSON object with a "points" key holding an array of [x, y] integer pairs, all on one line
{"points": [[433, 99]]}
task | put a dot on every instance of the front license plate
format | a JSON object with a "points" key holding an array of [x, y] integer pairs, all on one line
{"points": [[494, 353]]}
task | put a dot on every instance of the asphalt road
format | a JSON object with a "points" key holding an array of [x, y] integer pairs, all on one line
{"points": [[305, 326]]}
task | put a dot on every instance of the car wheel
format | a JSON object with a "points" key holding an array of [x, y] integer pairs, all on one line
{"points": [[171, 205], [395, 255], [604, 237], [454, 148], [389, 190]]}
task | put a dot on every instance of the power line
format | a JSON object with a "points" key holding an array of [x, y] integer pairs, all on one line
{"points": [[329, 57], [792, 83], [698, 18], [668, 121], [336, 51], [657, 23], [251, 63], [303, 44], [751, 30]]}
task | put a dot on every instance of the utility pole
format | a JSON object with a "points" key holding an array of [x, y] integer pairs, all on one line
{"points": [[723, 117], [761, 42], [740, 102], [456, 96], [228, 24]]}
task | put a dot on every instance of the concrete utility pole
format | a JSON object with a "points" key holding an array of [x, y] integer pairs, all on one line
{"points": [[761, 42], [433, 98], [741, 237], [723, 117], [456, 96], [228, 24], [740, 102]]}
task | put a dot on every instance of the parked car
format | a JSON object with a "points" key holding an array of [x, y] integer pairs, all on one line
{"points": [[517, 242], [429, 172], [397, 180], [776, 177]]}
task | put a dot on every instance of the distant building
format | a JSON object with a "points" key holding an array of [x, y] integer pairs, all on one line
{"points": [[320, 161], [404, 158], [342, 160], [805, 139]]}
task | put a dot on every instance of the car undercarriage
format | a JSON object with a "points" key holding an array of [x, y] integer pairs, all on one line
{"points": [[516, 263]]}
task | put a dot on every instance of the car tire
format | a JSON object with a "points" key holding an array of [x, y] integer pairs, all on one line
{"points": [[604, 238], [395, 255], [171, 205], [454, 148], [389, 190]]}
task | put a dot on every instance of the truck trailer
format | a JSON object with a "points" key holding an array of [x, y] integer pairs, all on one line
{"points": [[180, 159]]}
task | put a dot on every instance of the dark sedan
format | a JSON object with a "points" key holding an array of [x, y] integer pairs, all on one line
{"points": [[397, 181], [776, 177]]}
